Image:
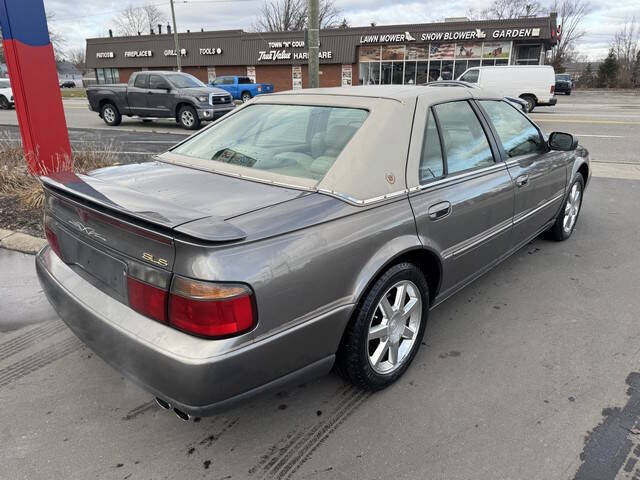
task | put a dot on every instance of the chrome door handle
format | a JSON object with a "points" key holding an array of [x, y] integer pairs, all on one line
{"points": [[439, 210], [522, 180]]}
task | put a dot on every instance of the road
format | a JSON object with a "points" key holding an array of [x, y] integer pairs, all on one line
{"points": [[532, 372]]}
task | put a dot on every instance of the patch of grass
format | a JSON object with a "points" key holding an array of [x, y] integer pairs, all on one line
{"points": [[73, 93], [21, 188]]}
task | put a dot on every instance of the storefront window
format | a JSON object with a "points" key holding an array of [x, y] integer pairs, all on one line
{"points": [[394, 52], [447, 70], [369, 54], [418, 52], [468, 50], [495, 50], [107, 75], [100, 75], [527, 55], [422, 73], [442, 51], [460, 67], [410, 73]]}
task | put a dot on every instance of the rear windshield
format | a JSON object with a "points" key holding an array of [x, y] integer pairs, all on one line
{"points": [[4, 84], [563, 77], [295, 140]]}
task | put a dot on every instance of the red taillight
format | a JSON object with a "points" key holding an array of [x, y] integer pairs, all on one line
{"points": [[259, 88], [147, 299], [553, 89], [210, 310], [52, 238]]}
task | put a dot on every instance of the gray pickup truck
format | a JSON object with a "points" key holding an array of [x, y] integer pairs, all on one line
{"points": [[157, 94]]}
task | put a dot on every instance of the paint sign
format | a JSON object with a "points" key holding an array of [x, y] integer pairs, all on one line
{"points": [[347, 75], [296, 77], [251, 73]]}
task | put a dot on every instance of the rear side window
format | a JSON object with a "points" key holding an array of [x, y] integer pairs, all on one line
{"points": [[517, 134], [471, 76], [142, 81], [431, 165], [465, 142], [293, 140], [244, 80]]}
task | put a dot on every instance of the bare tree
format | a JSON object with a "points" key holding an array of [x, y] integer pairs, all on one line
{"points": [[138, 19], [76, 56], [625, 46], [58, 41], [289, 15], [571, 13], [505, 9]]}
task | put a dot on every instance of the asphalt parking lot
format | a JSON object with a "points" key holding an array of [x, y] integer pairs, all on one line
{"points": [[532, 372]]}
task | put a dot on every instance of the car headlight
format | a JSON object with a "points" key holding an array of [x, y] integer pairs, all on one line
{"points": [[202, 98]]}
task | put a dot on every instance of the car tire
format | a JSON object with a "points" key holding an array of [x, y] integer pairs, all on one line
{"points": [[188, 118], [110, 114], [567, 218], [4, 103], [366, 355], [531, 102], [569, 92], [246, 96]]}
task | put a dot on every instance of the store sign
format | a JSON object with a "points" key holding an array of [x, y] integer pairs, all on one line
{"points": [[211, 51], [138, 53], [172, 53], [516, 33], [458, 35], [105, 55], [387, 38]]}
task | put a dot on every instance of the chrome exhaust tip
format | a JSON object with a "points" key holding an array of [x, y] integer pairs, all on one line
{"points": [[181, 415], [163, 404]]}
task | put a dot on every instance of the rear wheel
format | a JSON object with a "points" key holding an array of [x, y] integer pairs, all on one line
{"points": [[111, 115], [4, 103], [188, 118], [386, 330], [246, 96], [531, 102], [568, 217], [568, 92]]}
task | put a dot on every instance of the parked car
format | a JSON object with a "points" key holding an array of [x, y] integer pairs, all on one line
{"points": [[563, 83], [68, 84], [160, 94], [6, 94], [533, 83], [241, 88], [291, 236]]}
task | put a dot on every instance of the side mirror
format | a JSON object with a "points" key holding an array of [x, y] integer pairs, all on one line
{"points": [[564, 142]]}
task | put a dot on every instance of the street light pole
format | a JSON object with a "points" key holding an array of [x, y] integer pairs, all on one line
{"points": [[175, 36], [314, 43]]}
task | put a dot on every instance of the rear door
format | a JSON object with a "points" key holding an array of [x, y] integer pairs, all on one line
{"points": [[137, 94], [463, 203], [539, 174], [159, 97]]}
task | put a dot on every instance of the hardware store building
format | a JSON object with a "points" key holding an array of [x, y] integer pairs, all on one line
{"points": [[392, 54]]}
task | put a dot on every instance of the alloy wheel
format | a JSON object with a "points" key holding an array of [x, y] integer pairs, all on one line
{"points": [[572, 208], [187, 118], [109, 114], [394, 327]]}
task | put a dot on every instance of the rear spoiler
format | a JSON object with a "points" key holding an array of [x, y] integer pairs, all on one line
{"points": [[134, 205]]}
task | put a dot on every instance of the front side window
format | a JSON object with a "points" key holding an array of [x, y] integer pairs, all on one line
{"points": [[471, 76], [157, 82], [293, 140], [517, 134], [431, 165], [465, 143]]}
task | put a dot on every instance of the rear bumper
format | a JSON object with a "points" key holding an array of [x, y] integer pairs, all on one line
{"points": [[562, 88], [552, 101], [195, 375]]}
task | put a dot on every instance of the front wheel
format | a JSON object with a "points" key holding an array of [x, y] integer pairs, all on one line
{"points": [[110, 115], [188, 118], [568, 217], [386, 330], [4, 103]]}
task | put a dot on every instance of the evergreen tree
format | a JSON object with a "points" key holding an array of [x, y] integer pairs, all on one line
{"points": [[608, 71], [586, 79]]}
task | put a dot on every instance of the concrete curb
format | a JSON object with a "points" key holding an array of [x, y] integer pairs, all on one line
{"points": [[20, 242]]}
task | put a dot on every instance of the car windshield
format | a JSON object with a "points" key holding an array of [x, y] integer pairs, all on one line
{"points": [[183, 80], [293, 140], [563, 77]]}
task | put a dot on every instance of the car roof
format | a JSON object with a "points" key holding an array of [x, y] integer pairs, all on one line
{"points": [[402, 93]]}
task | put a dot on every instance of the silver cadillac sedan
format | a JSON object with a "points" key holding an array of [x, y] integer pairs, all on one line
{"points": [[304, 230]]}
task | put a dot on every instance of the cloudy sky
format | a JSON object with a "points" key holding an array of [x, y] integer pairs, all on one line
{"points": [[80, 19]]}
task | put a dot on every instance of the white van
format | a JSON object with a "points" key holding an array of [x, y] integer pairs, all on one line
{"points": [[533, 83]]}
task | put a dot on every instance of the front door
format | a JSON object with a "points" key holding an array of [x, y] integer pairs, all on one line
{"points": [[463, 203], [539, 174]]}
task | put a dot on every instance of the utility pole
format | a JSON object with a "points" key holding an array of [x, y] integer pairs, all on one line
{"points": [[175, 37], [314, 43]]}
